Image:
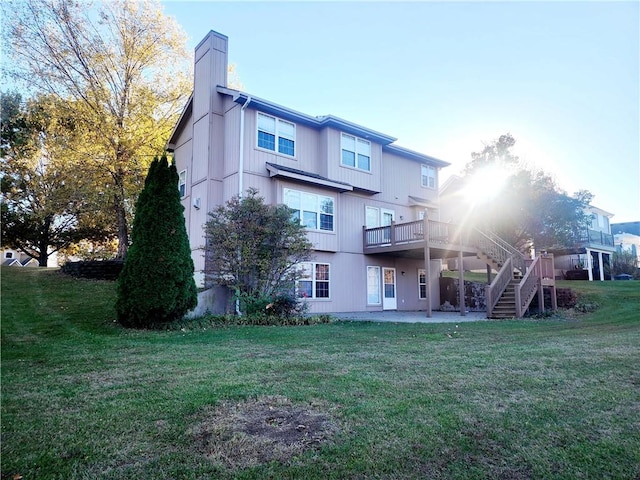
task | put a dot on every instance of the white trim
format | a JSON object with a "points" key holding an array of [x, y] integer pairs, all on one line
{"points": [[182, 182], [277, 135], [390, 303], [426, 283], [318, 209], [356, 151], [432, 174], [378, 277], [314, 280]]}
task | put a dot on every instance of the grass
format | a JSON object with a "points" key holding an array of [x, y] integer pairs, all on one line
{"points": [[83, 398]]}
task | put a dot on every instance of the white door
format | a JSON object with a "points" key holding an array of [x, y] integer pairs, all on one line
{"points": [[389, 289], [386, 217]]}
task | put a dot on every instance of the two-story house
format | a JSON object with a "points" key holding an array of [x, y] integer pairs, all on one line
{"points": [[367, 204], [591, 256]]}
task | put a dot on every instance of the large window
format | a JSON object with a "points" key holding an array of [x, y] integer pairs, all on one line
{"points": [[373, 286], [313, 281], [313, 211], [422, 283], [356, 152], [182, 183], [428, 176], [276, 134]]}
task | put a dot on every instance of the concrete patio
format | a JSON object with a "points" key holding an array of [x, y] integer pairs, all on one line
{"points": [[395, 316]]}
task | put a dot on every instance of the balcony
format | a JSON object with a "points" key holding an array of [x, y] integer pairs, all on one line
{"points": [[594, 238], [444, 240]]}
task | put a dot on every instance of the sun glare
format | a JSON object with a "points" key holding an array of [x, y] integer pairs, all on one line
{"points": [[485, 184]]}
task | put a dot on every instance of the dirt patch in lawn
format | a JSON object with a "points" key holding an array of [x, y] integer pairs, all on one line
{"points": [[272, 428]]}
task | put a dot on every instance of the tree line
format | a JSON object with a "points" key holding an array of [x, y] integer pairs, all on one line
{"points": [[101, 85]]}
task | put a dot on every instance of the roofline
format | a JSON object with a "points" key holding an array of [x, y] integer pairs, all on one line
{"points": [[413, 155], [314, 122], [306, 177], [186, 111], [595, 209], [299, 117]]}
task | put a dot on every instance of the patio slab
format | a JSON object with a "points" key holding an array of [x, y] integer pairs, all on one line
{"points": [[394, 316]]}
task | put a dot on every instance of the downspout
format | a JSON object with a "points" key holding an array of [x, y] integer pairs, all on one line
{"points": [[241, 175], [241, 151]]}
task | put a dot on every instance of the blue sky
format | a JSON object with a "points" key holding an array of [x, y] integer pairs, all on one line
{"points": [[446, 77]]}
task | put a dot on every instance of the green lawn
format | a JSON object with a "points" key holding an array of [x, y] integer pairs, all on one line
{"points": [[83, 398]]}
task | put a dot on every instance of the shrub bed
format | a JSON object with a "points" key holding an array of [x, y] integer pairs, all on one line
{"points": [[96, 269]]}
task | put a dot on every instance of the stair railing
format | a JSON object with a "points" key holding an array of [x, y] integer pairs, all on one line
{"points": [[527, 288], [494, 291], [499, 250]]}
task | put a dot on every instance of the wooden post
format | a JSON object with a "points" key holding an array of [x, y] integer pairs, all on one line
{"points": [[392, 232], [463, 309], [427, 262], [488, 274]]}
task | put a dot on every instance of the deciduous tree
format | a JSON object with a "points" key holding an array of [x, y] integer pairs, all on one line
{"points": [[46, 200], [625, 261], [254, 248], [119, 68], [528, 206]]}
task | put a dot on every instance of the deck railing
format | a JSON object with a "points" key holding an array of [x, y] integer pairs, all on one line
{"points": [[440, 233], [494, 291], [499, 250], [596, 237], [528, 286]]}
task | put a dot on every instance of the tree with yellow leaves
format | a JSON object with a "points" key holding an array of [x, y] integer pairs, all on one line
{"points": [[119, 68]]}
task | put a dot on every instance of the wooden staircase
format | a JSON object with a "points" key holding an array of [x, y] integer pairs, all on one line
{"points": [[506, 306], [518, 279]]}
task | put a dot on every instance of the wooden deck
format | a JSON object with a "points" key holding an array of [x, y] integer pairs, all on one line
{"points": [[444, 240]]}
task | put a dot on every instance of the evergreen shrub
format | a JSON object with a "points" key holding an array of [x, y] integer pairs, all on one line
{"points": [[156, 285]]}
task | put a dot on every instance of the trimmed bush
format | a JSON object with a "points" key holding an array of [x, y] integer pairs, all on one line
{"points": [[156, 285]]}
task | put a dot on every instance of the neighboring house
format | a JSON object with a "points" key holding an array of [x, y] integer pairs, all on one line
{"points": [[627, 227], [582, 260], [626, 236], [591, 257], [370, 207], [15, 258]]}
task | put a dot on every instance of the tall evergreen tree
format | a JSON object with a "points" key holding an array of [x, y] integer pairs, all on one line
{"points": [[156, 284]]}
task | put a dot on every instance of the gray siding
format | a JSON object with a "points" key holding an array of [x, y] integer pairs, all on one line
{"points": [[357, 178], [306, 156], [209, 149], [401, 178], [348, 283]]}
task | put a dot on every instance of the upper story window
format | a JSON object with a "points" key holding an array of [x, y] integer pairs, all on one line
{"points": [[428, 176], [313, 211], [8, 254], [276, 134], [356, 152], [182, 183]]}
